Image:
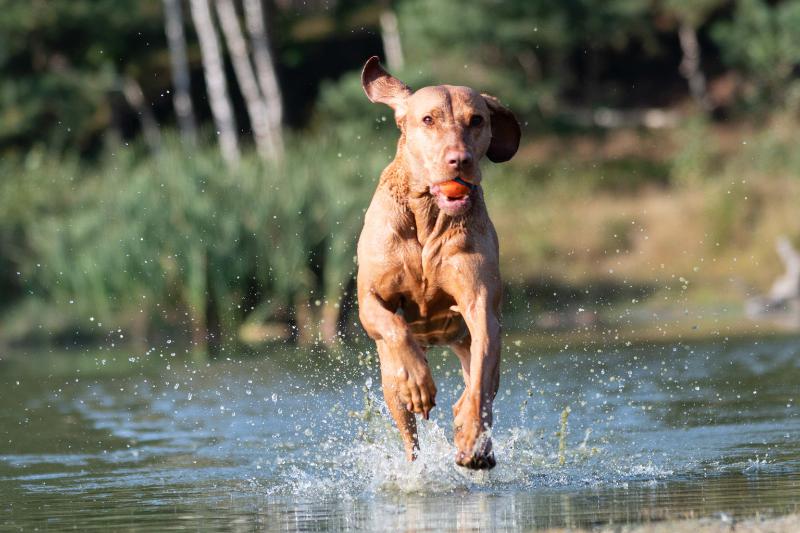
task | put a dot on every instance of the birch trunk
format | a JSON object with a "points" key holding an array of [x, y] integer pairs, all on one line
{"points": [[216, 85], [390, 35], [265, 69], [256, 108], [181, 82], [134, 95], [690, 65]]}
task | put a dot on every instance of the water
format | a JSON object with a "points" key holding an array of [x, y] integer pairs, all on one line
{"points": [[297, 440]]}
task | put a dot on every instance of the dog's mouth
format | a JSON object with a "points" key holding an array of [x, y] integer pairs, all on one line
{"points": [[453, 199]]}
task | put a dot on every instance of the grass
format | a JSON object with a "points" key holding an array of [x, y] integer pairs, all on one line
{"points": [[629, 235], [700, 242]]}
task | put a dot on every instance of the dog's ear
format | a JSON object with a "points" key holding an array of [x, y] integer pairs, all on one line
{"points": [[382, 87], [505, 131]]}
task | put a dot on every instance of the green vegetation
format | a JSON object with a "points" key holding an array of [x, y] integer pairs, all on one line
{"points": [[101, 231], [183, 242]]}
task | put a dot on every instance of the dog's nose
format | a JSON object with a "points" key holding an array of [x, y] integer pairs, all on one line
{"points": [[458, 159]]}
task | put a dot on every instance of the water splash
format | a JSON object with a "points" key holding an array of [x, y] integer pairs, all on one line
{"points": [[367, 458]]}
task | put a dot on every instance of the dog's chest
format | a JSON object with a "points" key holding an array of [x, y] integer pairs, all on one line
{"points": [[422, 301], [417, 279]]}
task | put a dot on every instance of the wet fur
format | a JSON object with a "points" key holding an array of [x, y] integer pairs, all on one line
{"points": [[427, 276]]}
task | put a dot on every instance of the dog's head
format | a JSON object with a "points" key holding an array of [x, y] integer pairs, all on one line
{"points": [[447, 130]]}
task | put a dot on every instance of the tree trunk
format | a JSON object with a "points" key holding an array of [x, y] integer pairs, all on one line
{"points": [[181, 81], [256, 108], [133, 94], [390, 35], [690, 65], [216, 85], [265, 69], [787, 286]]}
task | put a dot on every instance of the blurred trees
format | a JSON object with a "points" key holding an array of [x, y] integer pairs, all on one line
{"points": [[179, 63], [216, 84], [62, 62], [265, 70], [187, 242], [762, 41], [66, 62], [529, 52], [266, 131], [690, 15]]}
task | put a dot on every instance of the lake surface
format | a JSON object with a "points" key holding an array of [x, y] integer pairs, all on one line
{"points": [[299, 440]]}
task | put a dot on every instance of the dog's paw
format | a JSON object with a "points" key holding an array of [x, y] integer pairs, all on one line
{"points": [[415, 388], [476, 462], [472, 437], [474, 451]]}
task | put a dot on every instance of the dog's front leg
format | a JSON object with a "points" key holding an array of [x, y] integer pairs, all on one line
{"points": [[398, 406], [408, 385], [474, 417]]}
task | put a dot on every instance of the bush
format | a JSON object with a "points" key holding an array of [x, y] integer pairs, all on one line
{"points": [[199, 246], [763, 41]]}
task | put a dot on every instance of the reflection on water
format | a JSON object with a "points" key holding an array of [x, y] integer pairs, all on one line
{"points": [[298, 440]]}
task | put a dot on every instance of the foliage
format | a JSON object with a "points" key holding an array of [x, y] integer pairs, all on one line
{"points": [[193, 246], [693, 12], [170, 236], [763, 41], [61, 60], [523, 51], [31, 187]]}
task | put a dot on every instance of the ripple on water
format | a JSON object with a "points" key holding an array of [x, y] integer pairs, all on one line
{"points": [[653, 432]]}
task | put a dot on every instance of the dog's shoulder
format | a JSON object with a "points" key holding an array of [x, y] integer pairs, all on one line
{"points": [[388, 218], [394, 183]]}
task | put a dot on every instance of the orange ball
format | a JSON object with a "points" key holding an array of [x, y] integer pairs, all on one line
{"points": [[453, 189]]}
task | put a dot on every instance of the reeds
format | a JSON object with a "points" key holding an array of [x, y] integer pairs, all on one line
{"points": [[194, 246]]}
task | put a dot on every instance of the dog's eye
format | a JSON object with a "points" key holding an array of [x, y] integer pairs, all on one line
{"points": [[476, 120], [428, 120]]}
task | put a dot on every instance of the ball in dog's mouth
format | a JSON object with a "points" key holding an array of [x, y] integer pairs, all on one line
{"points": [[453, 196]]}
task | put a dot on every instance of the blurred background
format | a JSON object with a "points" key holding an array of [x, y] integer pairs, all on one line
{"points": [[198, 170]]}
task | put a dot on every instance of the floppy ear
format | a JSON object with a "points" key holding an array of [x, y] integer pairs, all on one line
{"points": [[382, 87], [505, 131]]}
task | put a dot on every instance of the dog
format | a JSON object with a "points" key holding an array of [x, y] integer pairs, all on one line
{"points": [[428, 263]]}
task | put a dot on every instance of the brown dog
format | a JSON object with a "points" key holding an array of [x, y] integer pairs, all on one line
{"points": [[428, 263]]}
